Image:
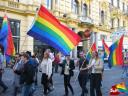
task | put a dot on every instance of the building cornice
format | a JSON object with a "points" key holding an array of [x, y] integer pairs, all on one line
{"points": [[17, 7]]}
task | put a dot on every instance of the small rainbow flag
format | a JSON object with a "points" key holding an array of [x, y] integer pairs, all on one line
{"points": [[122, 88], [89, 54], [106, 48], [49, 30], [116, 55]]}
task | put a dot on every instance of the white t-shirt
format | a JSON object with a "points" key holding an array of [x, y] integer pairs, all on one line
{"points": [[96, 65], [66, 71]]}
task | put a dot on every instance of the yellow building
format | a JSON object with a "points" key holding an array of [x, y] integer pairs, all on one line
{"points": [[101, 17]]}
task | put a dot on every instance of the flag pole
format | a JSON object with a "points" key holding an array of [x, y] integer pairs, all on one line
{"points": [[30, 27]]}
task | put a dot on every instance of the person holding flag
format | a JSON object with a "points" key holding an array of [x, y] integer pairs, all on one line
{"points": [[83, 74], [96, 66]]}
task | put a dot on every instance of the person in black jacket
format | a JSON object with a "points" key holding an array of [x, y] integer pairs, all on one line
{"points": [[27, 76], [83, 74], [67, 71]]}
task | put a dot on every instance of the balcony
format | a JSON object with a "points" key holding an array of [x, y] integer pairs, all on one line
{"points": [[103, 27], [8, 5], [85, 21]]}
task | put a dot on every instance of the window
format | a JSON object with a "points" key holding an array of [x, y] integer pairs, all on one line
{"points": [[123, 6], [49, 4], [18, 0], [75, 6], [57, 2], [112, 2], [84, 10], [123, 23], [118, 22], [15, 28], [112, 23], [127, 8], [118, 3], [102, 17]]}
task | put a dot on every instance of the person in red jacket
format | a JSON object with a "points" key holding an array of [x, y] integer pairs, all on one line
{"points": [[56, 62]]}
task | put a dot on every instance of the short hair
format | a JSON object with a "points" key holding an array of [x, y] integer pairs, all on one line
{"points": [[25, 55], [18, 54], [29, 53]]}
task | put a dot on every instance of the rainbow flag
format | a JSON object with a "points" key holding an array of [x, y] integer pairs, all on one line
{"points": [[116, 55], [121, 87], [49, 30], [105, 48], [4, 33], [89, 54], [6, 39], [10, 44]]}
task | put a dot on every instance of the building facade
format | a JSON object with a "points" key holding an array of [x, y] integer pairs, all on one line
{"points": [[106, 19]]}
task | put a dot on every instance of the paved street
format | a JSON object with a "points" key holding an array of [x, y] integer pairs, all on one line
{"points": [[111, 77]]}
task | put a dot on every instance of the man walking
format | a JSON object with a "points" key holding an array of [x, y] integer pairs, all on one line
{"points": [[27, 76]]}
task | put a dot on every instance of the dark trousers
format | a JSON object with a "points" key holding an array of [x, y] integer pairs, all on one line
{"points": [[45, 82], [16, 90], [95, 84], [36, 77], [67, 84], [56, 68], [83, 78], [2, 83]]}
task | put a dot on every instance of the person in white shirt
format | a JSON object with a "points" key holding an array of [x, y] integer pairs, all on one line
{"points": [[51, 56], [96, 66], [46, 68]]}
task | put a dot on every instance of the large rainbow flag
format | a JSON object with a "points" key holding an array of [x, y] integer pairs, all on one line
{"points": [[89, 54], [4, 33], [105, 48], [10, 44], [49, 30], [116, 55], [6, 39]]}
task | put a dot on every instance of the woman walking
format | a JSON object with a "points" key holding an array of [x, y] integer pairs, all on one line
{"points": [[96, 66], [67, 71], [46, 68]]}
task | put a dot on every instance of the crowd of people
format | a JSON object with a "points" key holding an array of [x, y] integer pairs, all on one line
{"points": [[26, 69]]}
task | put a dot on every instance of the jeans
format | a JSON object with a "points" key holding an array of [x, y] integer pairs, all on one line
{"points": [[2, 83], [67, 84], [26, 90], [95, 84], [45, 82], [56, 67], [83, 79]]}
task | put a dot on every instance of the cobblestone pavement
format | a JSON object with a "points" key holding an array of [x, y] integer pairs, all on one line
{"points": [[110, 78]]}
